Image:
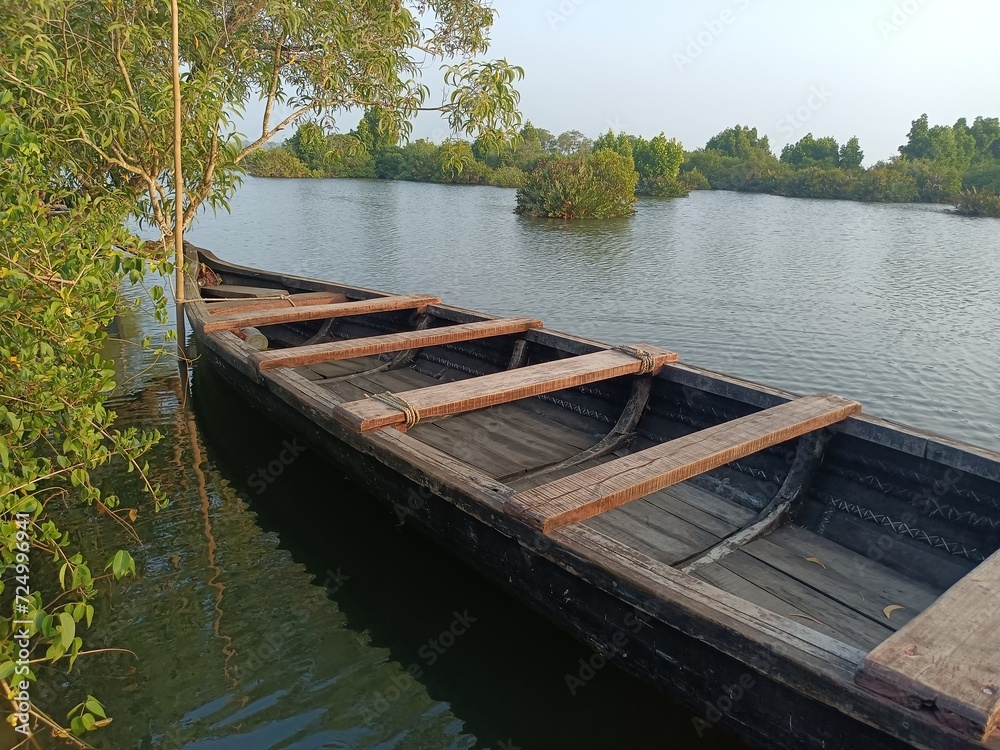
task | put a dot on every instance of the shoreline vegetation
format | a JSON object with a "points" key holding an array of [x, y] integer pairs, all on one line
{"points": [[957, 164]]}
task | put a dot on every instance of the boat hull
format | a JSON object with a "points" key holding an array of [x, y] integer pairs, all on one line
{"points": [[768, 680], [740, 695]]}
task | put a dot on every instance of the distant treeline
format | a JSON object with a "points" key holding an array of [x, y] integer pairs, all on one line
{"points": [[958, 164]]}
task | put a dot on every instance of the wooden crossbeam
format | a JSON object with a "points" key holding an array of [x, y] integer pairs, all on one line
{"points": [[499, 388], [393, 342], [224, 305], [947, 659], [236, 290], [599, 489], [240, 319]]}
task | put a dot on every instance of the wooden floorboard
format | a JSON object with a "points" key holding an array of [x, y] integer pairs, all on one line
{"points": [[516, 440], [538, 439], [500, 387], [738, 586], [728, 511], [537, 419], [670, 502], [862, 597], [223, 291], [650, 540], [669, 530], [854, 628], [594, 491], [876, 577]]}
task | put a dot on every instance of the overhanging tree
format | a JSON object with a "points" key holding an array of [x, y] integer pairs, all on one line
{"points": [[86, 119], [95, 74]]}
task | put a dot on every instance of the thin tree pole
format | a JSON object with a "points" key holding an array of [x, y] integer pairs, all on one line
{"points": [[178, 175], [178, 200]]}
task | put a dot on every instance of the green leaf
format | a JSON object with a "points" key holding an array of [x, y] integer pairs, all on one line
{"points": [[55, 651], [67, 629], [7, 669], [77, 726], [121, 564], [94, 706]]}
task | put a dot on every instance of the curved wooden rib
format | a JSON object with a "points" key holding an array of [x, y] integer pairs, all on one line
{"points": [[808, 458], [621, 433]]}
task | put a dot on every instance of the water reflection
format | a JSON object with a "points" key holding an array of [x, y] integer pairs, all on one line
{"points": [[279, 606]]}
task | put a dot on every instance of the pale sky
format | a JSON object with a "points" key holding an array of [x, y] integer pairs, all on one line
{"points": [[788, 67]]}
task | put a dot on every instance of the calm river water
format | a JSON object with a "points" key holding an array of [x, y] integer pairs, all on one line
{"points": [[285, 613]]}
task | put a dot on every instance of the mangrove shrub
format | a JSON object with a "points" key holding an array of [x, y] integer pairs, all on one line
{"points": [[61, 266], [974, 203], [599, 186]]}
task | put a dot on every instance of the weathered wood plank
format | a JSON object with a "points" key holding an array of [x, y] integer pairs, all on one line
{"points": [[837, 577], [498, 388], [294, 300], [948, 658], [731, 513], [594, 491], [733, 583], [393, 342], [656, 532], [318, 312], [235, 290], [855, 629]]}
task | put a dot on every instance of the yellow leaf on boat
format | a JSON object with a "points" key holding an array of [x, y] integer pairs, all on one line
{"points": [[890, 609], [817, 561]]}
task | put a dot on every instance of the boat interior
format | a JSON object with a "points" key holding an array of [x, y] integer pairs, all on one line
{"points": [[846, 531]]}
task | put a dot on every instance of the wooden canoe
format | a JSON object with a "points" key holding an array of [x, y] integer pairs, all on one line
{"points": [[790, 568]]}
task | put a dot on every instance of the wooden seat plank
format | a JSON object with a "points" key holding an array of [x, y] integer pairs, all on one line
{"points": [[235, 290], [588, 493], [947, 659], [500, 387], [223, 305], [393, 342], [241, 319]]}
